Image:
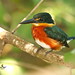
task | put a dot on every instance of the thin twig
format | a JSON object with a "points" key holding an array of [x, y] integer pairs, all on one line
{"points": [[13, 31]]}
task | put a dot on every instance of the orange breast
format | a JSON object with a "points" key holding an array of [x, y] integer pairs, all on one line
{"points": [[38, 33]]}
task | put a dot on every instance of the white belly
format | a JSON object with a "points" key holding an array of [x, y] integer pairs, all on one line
{"points": [[42, 44]]}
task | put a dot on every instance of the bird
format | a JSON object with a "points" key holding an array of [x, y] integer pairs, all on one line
{"points": [[46, 33]]}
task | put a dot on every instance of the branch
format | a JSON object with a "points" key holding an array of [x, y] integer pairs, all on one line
{"points": [[13, 31], [30, 48], [2, 43]]}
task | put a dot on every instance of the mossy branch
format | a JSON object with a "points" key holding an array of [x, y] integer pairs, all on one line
{"points": [[30, 48]]}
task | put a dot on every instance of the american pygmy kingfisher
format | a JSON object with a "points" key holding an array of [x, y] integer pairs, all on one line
{"points": [[46, 33]]}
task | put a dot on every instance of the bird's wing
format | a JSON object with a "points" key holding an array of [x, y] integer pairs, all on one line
{"points": [[57, 34]]}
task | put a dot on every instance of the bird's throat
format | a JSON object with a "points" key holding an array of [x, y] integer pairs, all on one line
{"points": [[43, 24]]}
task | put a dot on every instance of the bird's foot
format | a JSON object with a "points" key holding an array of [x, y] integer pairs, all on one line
{"points": [[48, 52], [39, 49]]}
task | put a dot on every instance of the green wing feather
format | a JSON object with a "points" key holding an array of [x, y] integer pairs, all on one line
{"points": [[57, 34]]}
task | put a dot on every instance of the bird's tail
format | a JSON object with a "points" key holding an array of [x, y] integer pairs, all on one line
{"points": [[70, 38]]}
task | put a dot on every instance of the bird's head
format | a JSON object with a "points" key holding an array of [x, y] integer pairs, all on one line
{"points": [[40, 18]]}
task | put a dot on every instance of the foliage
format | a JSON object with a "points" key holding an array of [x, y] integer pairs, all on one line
{"points": [[13, 11]]}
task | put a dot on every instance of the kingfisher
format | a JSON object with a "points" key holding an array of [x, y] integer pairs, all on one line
{"points": [[46, 33]]}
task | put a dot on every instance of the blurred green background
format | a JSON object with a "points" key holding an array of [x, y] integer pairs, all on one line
{"points": [[13, 11]]}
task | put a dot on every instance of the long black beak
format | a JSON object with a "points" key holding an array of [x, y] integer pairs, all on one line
{"points": [[28, 21]]}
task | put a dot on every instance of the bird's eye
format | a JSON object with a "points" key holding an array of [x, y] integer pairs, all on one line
{"points": [[41, 19], [37, 19]]}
